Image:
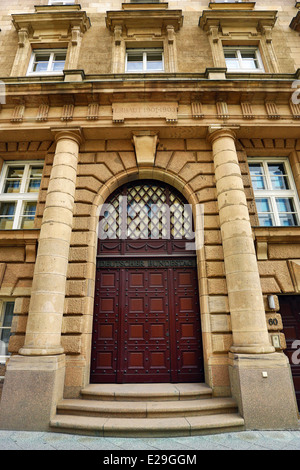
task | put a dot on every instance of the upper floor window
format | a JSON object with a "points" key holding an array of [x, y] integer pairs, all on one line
{"points": [[61, 2], [47, 62], [19, 187], [275, 193], [144, 60], [243, 59], [6, 316]]}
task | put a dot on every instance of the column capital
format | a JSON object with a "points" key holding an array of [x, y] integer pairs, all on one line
{"points": [[216, 132], [72, 133]]}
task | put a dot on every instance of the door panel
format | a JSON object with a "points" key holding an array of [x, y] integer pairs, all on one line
{"points": [[290, 312], [145, 358], [105, 328], [188, 330], [147, 326]]}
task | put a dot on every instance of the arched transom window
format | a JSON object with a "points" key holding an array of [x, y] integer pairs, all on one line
{"points": [[146, 210]]}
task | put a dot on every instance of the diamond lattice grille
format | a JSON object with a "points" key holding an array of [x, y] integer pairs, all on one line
{"points": [[147, 210]]}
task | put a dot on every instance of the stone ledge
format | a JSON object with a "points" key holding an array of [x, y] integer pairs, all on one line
{"points": [[18, 237], [277, 234]]}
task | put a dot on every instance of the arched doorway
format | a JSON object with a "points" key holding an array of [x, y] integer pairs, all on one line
{"points": [[146, 326]]}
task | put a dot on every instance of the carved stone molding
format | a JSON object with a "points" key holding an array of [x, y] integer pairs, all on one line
{"points": [[67, 112], [135, 19], [43, 112], [93, 111], [251, 21], [264, 236], [222, 110], [247, 110], [197, 111], [18, 113], [272, 110], [145, 144], [49, 26], [44, 21], [167, 111], [136, 24], [228, 24], [295, 109]]}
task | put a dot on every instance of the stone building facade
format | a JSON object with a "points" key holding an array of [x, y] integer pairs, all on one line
{"points": [[197, 102]]}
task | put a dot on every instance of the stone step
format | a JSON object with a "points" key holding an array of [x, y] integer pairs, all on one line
{"points": [[147, 392], [152, 427], [144, 409], [136, 410]]}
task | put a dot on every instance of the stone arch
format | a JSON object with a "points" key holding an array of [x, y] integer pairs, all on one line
{"points": [[189, 194]]}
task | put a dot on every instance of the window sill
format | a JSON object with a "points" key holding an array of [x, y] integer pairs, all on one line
{"points": [[27, 238], [264, 236]]}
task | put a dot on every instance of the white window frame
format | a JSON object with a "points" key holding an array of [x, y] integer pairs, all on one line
{"points": [[3, 304], [271, 194], [21, 197], [145, 52], [52, 53], [237, 50]]}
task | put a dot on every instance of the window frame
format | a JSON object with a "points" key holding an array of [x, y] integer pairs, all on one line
{"points": [[272, 194], [238, 49], [145, 51], [21, 197], [3, 305], [52, 53]]}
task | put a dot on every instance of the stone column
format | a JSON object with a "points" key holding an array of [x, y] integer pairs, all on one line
{"points": [[260, 378], [34, 380], [249, 328], [43, 330]]}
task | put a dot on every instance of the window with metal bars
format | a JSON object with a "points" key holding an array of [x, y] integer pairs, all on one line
{"points": [[146, 210]]}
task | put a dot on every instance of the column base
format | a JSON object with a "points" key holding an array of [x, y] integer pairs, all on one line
{"points": [[263, 387], [252, 349], [32, 388], [33, 351]]}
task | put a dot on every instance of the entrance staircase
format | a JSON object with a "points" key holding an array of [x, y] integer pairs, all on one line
{"points": [[147, 410]]}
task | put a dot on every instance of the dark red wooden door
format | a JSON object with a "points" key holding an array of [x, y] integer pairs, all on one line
{"points": [[147, 326], [290, 312], [146, 316]]}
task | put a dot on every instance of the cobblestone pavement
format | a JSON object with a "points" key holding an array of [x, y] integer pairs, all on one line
{"points": [[245, 440]]}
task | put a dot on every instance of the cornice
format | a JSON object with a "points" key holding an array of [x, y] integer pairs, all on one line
{"points": [[231, 17], [144, 18], [277, 234], [49, 19]]}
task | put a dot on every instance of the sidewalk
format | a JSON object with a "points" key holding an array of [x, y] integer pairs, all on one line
{"points": [[245, 440]]}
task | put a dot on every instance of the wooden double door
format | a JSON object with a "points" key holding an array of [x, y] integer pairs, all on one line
{"points": [[147, 323]]}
